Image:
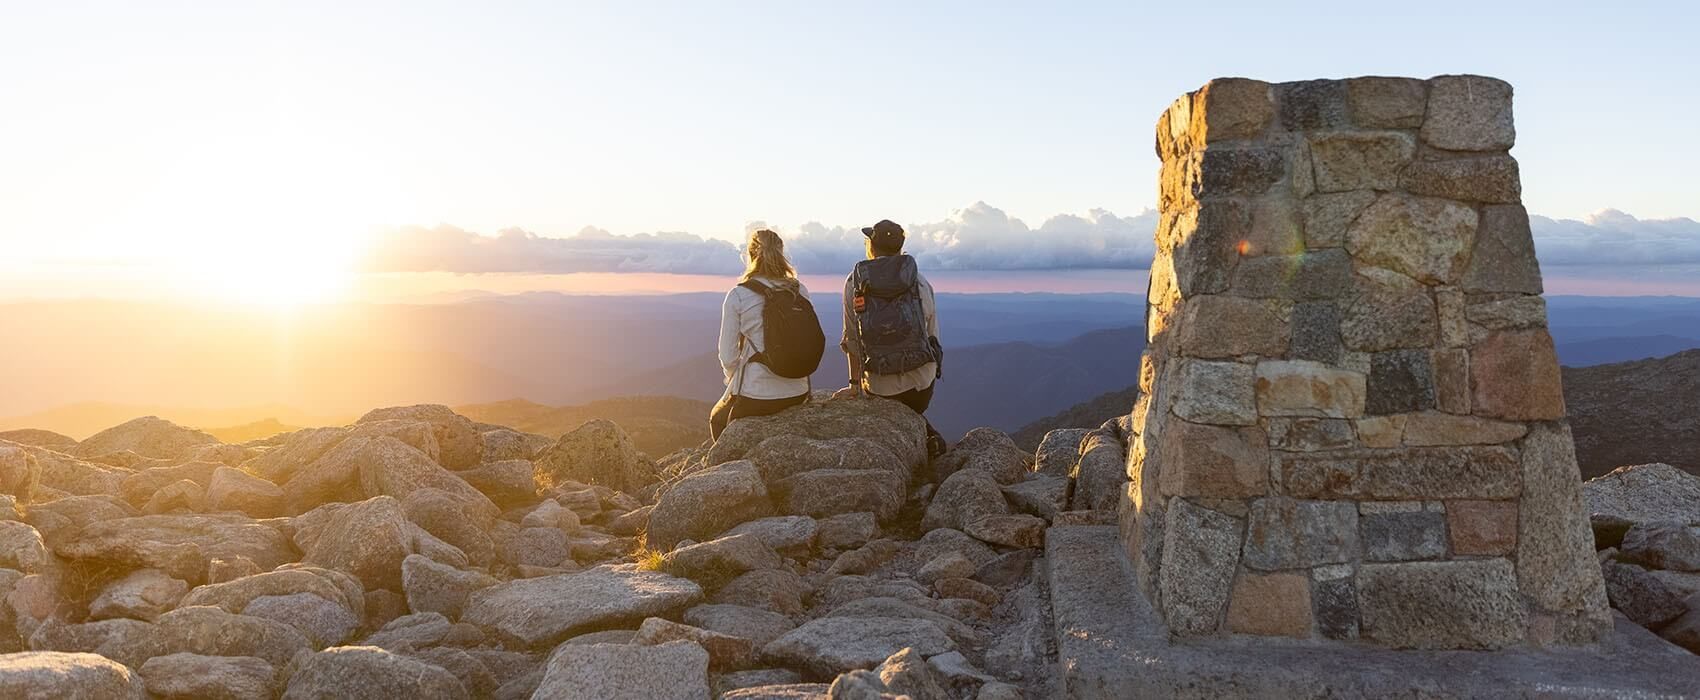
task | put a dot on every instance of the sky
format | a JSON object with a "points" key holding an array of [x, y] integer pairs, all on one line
{"points": [[263, 148]]}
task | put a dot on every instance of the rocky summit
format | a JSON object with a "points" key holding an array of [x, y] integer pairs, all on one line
{"points": [[816, 553]]}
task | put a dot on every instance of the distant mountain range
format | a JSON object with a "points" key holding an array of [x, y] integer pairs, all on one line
{"points": [[1088, 414], [1012, 359], [1636, 412]]}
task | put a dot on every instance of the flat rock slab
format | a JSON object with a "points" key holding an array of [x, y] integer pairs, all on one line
{"points": [[545, 610], [1111, 644], [832, 645]]}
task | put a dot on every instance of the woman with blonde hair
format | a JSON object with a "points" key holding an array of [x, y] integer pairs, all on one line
{"points": [[770, 339]]}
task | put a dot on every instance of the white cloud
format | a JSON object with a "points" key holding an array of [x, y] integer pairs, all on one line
{"points": [[1611, 237], [978, 237], [449, 249]]}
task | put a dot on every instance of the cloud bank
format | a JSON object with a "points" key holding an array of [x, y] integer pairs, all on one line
{"points": [[1611, 237], [979, 237]]}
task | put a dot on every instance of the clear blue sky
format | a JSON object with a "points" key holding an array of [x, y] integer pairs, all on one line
{"points": [[156, 126]]}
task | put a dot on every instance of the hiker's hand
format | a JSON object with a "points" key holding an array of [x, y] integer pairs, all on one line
{"points": [[852, 392]]}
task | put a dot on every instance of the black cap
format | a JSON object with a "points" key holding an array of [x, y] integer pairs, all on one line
{"points": [[886, 233]]}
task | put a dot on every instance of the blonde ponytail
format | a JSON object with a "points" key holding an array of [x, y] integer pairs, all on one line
{"points": [[766, 254]]}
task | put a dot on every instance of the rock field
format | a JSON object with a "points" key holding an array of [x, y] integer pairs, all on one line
{"points": [[816, 553]]}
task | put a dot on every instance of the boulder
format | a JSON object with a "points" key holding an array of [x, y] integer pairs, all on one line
{"points": [[542, 611], [886, 606], [370, 672], [1644, 493], [321, 621], [846, 530], [1101, 474], [459, 442], [503, 444], [410, 632], [183, 495], [434, 587], [536, 546], [180, 545], [720, 560], [736, 681], [988, 450], [368, 540], [143, 594], [1640, 596], [214, 632], [446, 518], [758, 626], [786, 534], [148, 436], [129, 642], [50, 674], [832, 645], [138, 488], [193, 676], [1019, 531], [1042, 495], [236, 490], [508, 483], [301, 448], [1058, 451], [598, 452], [22, 548], [36, 437], [399, 472], [725, 652], [865, 559], [673, 671], [899, 430], [707, 503], [65, 473], [839, 590], [965, 496], [936, 543], [235, 595], [906, 673], [1662, 545], [783, 691], [827, 492], [775, 590], [784, 456], [947, 565], [19, 472]]}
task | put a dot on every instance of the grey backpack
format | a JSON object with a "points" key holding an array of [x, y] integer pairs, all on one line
{"points": [[889, 316]]}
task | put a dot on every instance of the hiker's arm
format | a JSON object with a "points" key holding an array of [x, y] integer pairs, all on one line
{"points": [[729, 332], [852, 341]]}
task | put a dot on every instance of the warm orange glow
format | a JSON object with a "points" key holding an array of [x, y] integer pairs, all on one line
{"points": [[1244, 247]]}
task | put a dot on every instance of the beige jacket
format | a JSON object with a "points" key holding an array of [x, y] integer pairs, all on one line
{"points": [[741, 338]]}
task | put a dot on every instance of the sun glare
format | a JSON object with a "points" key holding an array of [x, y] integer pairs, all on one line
{"points": [[276, 220]]}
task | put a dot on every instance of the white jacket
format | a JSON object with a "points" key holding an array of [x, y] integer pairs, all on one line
{"points": [[741, 338]]}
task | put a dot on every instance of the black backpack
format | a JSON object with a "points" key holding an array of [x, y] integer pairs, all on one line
{"points": [[790, 330], [889, 316]]}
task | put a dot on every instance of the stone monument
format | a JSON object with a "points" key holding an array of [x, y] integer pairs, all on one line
{"points": [[1351, 425]]}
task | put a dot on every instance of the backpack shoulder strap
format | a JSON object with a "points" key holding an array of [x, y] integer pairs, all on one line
{"points": [[756, 287]]}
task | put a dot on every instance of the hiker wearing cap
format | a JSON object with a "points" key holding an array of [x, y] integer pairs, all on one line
{"points": [[891, 327], [770, 338]]}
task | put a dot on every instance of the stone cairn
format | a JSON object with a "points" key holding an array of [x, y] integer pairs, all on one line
{"points": [[1351, 424]]}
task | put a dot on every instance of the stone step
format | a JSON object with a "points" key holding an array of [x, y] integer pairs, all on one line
{"points": [[1111, 644]]}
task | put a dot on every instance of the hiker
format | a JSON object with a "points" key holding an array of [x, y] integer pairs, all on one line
{"points": [[891, 328], [770, 338]]}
